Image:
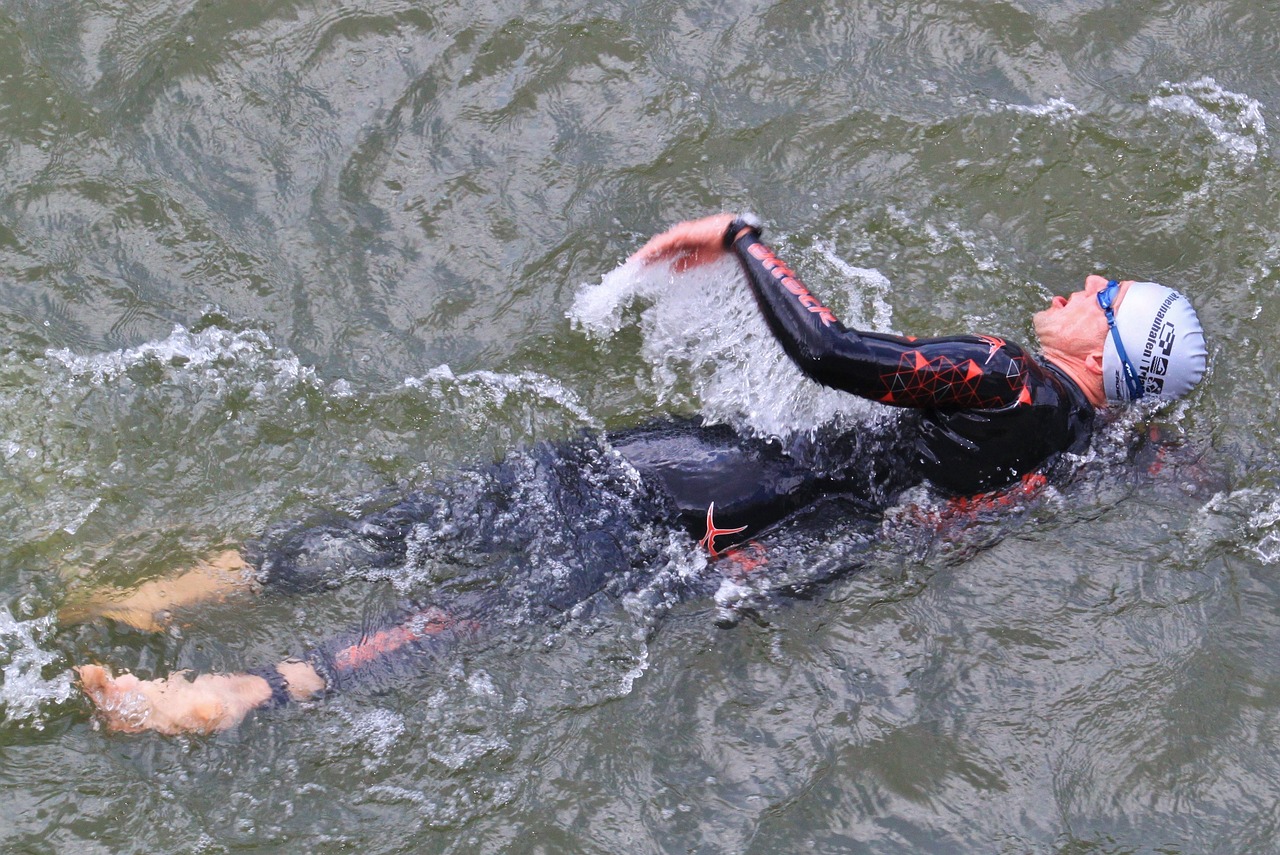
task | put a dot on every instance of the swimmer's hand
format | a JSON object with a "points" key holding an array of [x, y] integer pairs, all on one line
{"points": [[687, 244]]}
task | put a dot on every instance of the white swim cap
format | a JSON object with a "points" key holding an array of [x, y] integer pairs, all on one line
{"points": [[1162, 338]]}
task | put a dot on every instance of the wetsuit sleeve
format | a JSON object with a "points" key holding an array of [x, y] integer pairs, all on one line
{"points": [[955, 372]]}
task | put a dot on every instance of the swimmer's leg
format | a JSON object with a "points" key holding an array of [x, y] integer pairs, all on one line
{"points": [[148, 606], [419, 633], [214, 702], [291, 558], [209, 703]]}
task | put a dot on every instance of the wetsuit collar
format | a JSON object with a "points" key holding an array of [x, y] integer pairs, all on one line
{"points": [[1079, 398]]}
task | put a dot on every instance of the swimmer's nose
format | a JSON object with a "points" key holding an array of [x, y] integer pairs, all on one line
{"points": [[1095, 283]]}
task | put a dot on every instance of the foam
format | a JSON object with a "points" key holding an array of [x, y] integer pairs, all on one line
{"points": [[1263, 529], [635, 672], [207, 354], [1056, 109], [871, 279], [24, 689], [458, 751], [494, 389], [1235, 120]]}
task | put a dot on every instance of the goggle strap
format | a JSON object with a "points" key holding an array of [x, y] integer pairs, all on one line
{"points": [[1131, 378]]}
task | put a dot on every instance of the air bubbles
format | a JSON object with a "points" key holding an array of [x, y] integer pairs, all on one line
{"points": [[1264, 528], [24, 690]]}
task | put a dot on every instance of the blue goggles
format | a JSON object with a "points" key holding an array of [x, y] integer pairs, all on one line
{"points": [[1106, 297]]}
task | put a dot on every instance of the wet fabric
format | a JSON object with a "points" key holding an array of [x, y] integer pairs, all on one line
{"points": [[577, 518], [536, 533], [555, 529], [754, 482], [989, 412]]}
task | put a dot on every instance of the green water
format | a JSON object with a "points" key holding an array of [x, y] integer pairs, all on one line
{"points": [[259, 260]]}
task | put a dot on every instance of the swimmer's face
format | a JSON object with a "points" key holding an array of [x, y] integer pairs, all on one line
{"points": [[1075, 325]]}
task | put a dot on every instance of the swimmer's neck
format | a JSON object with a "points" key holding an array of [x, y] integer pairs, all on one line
{"points": [[1082, 372]]}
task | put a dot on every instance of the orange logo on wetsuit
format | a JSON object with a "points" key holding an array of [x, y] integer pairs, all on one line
{"points": [[788, 280], [709, 539], [996, 344]]}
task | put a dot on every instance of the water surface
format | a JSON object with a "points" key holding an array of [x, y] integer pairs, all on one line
{"points": [[264, 260]]}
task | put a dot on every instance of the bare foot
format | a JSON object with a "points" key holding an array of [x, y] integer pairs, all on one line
{"points": [[147, 607], [207, 704]]}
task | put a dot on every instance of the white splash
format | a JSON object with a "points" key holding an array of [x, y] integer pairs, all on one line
{"points": [[708, 348], [1235, 120], [73, 525], [493, 388], [25, 689], [1247, 518], [635, 672], [873, 282], [205, 354], [1056, 109], [1264, 528]]}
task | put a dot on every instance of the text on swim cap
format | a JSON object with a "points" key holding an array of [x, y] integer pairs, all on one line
{"points": [[1154, 369]]}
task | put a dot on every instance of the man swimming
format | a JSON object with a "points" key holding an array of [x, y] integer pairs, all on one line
{"points": [[984, 414]]}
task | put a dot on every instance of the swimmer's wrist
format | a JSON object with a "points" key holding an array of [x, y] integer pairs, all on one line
{"points": [[742, 223]]}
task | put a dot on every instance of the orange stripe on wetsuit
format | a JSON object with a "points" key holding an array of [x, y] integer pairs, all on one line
{"points": [[419, 626]]}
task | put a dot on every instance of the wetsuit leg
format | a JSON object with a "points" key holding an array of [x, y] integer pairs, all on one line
{"points": [[546, 533], [311, 556], [397, 645]]}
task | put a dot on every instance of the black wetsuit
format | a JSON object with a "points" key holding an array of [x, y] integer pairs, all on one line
{"points": [[553, 527], [989, 412], [985, 414]]}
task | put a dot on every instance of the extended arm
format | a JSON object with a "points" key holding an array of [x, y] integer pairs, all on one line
{"points": [[955, 372], [943, 373]]}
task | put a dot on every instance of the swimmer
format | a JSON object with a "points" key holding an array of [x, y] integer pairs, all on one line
{"points": [[986, 415]]}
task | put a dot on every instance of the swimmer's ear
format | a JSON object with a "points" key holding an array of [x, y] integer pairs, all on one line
{"points": [[1093, 363]]}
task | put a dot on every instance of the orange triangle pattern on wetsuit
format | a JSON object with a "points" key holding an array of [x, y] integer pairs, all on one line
{"points": [[920, 381]]}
